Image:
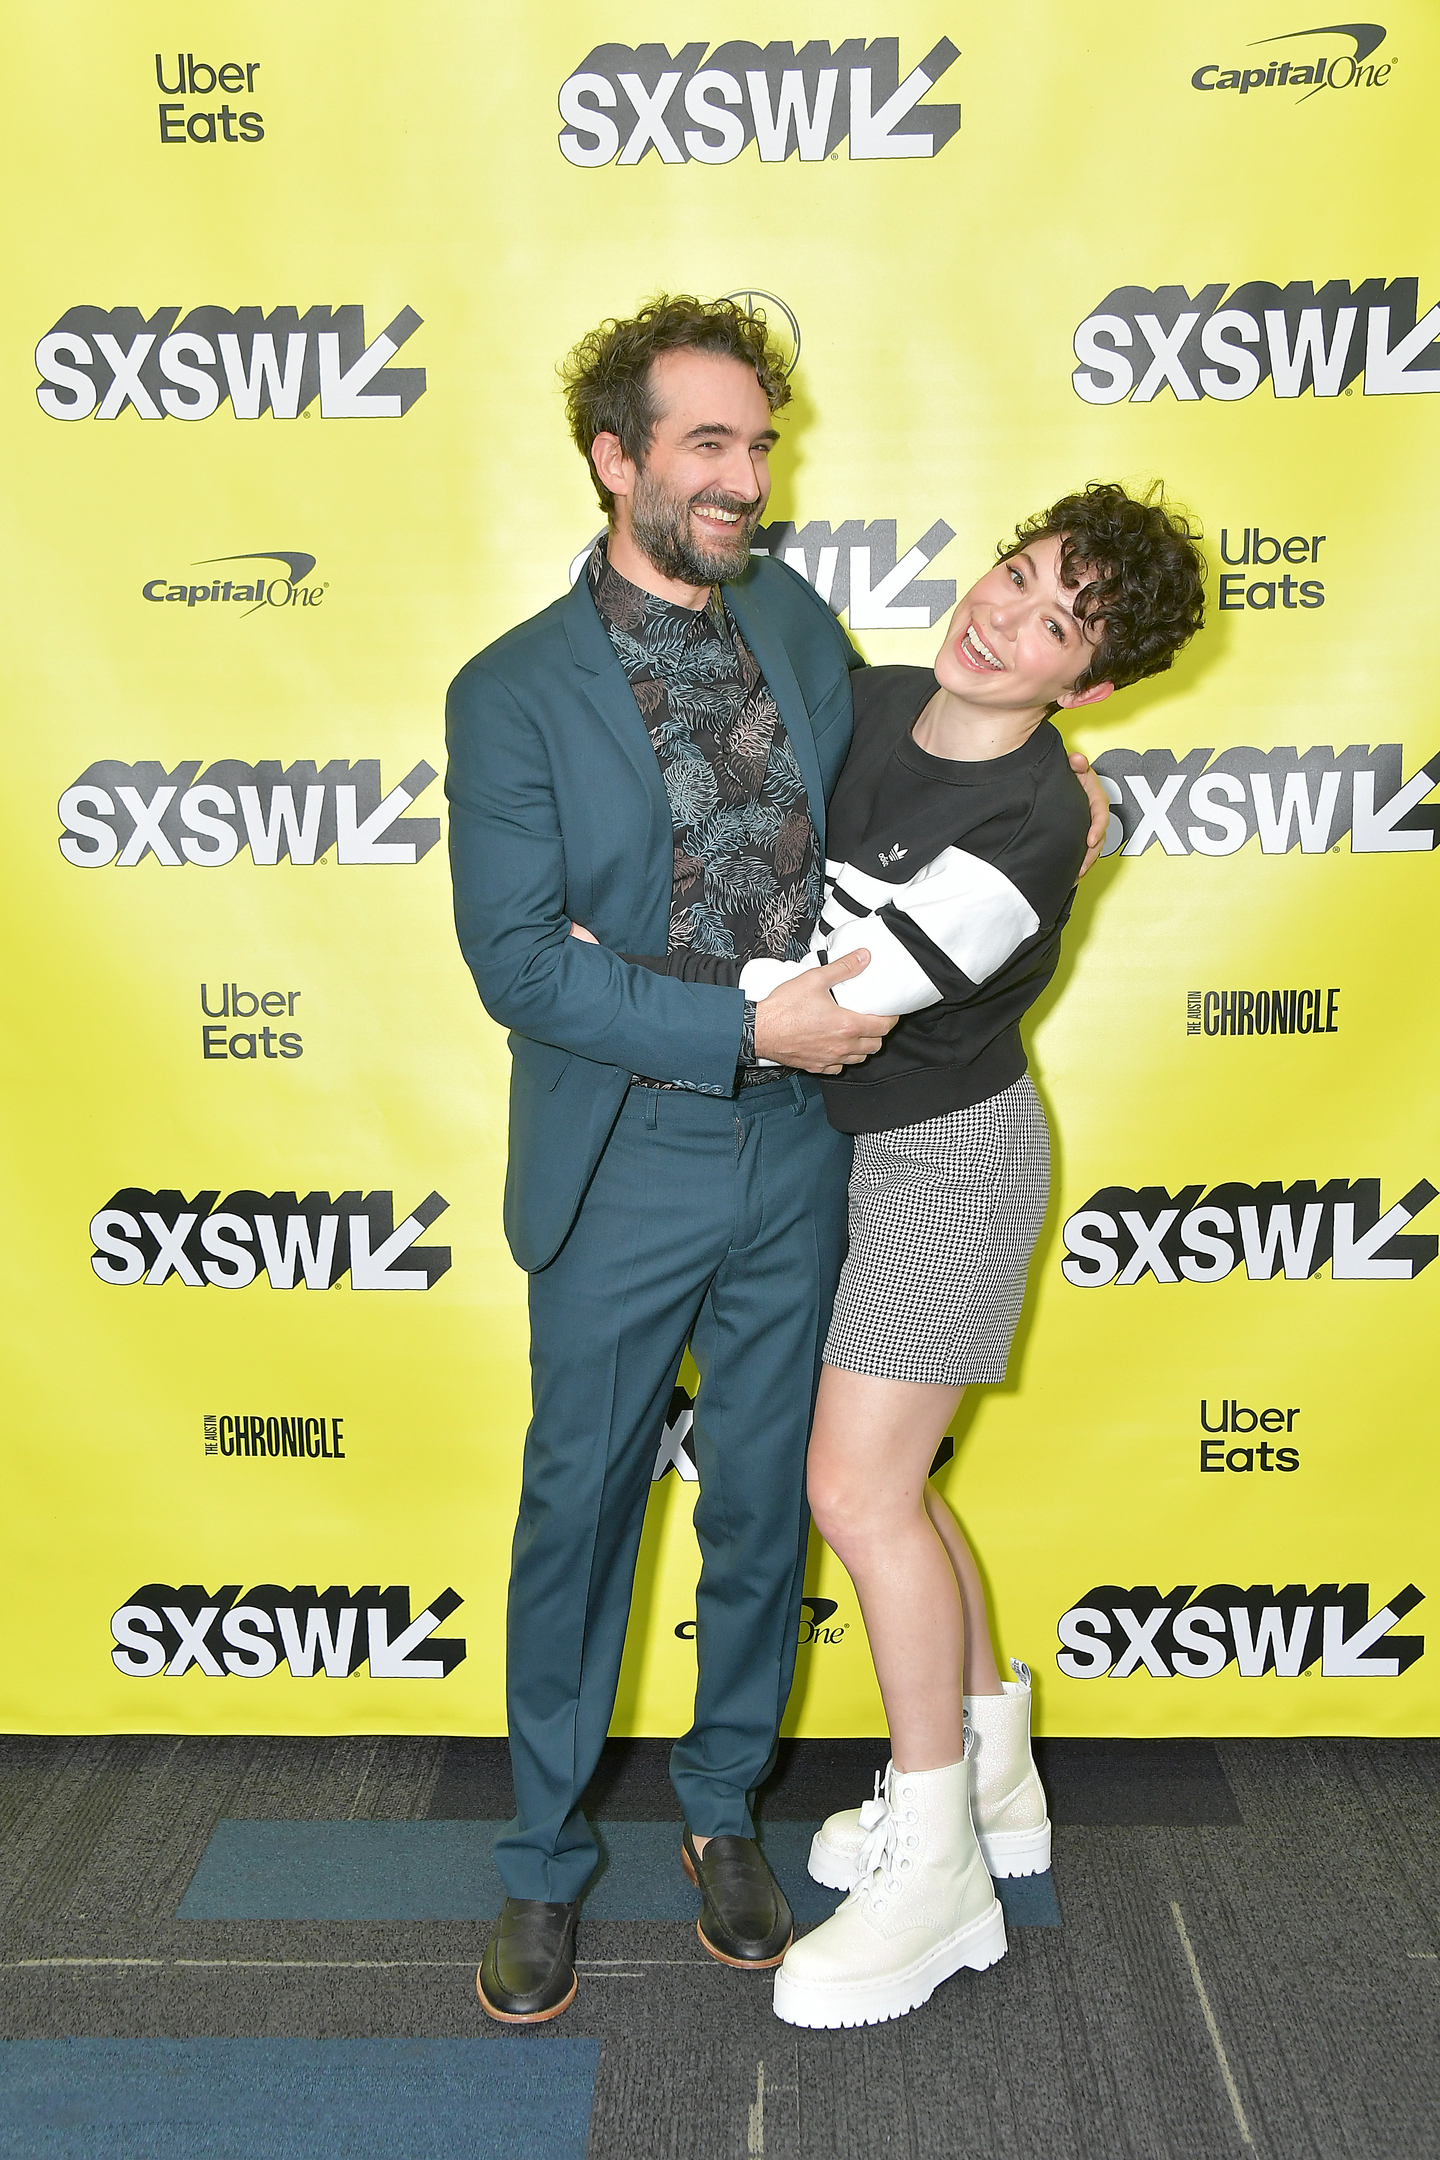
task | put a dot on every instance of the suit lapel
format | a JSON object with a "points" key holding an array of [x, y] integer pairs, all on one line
{"points": [[763, 640], [608, 689]]}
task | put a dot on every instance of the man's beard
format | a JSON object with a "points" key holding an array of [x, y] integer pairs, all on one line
{"points": [[660, 526]]}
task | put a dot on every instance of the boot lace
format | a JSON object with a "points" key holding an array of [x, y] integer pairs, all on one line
{"points": [[878, 1855]]}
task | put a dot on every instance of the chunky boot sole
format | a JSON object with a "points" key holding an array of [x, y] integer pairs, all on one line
{"points": [[1007, 1853], [523, 2017], [1016, 1852], [837, 1871], [978, 1944]]}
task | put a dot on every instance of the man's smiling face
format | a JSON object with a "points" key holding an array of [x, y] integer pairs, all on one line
{"points": [[693, 505], [1013, 642]]}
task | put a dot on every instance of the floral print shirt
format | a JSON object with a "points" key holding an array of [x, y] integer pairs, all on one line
{"points": [[749, 875]]}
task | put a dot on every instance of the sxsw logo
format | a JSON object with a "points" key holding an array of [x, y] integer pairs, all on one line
{"points": [[677, 1449], [858, 568], [1209, 805], [1319, 69], [1116, 1633], [118, 813], [162, 1629], [141, 1236], [1137, 343], [624, 101], [99, 360], [1122, 1234]]}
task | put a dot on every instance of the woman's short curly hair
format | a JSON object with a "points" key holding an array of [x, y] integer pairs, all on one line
{"points": [[1133, 564], [607, 376]]}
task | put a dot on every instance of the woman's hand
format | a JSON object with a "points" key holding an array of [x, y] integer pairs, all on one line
{"points": [[1099, 809], [576, 930]]}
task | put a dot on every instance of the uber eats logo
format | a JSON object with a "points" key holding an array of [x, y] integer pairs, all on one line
{"points": [[706, 105], [222, 1635], [1122, 1234], [98, 361], [1115, 1633], [118, 813], [198, 80], [148, 1237], [1298, 337], [1206, 805]]}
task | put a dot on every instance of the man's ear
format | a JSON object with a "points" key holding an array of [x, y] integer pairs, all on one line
{"points": [[615, 469], [1071, 700]]}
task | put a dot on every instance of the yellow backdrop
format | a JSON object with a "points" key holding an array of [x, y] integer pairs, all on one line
{"points": [[243, 1051]]}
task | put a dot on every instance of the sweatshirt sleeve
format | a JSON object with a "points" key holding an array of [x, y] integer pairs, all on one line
{"points": [[961, 919], [691, 967]]}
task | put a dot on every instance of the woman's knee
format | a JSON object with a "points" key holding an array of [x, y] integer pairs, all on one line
{"points": [[852, 1512], [834, 1501]]}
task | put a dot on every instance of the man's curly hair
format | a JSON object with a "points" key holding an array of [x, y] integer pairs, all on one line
{"points": [[607, 377], [1135, 565]]}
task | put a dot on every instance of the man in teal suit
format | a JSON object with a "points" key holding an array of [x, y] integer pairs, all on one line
{"points": [[650, 757]]}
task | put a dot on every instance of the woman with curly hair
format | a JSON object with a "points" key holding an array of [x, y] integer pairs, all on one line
{"points": [[957, 831]]}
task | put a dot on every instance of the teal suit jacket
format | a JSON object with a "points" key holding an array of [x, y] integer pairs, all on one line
{"points": [[558, 813]]}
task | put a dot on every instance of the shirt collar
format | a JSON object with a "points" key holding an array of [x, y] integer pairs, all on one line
{"points": [[629, 607]]}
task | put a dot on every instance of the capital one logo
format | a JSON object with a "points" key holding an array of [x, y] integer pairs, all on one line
{"points": [[624, 101], [1113, 1633], [1122, 1234], [1314, 68], [1297, 337], [1206, 805], [222, 1635], [206, 1243], [101, 361], [120, 814], [244, 588]]}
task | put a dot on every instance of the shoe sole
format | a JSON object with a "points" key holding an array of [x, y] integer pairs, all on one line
{"points": [[720, 1956], [1017, 1852], [977, 1945], [524, 2017], [1007, 1854]]}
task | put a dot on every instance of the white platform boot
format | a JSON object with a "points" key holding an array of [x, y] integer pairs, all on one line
{"points": [[1006, 1796], [923, 1908]]}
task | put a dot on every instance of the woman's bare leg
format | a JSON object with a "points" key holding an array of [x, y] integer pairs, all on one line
{"points": [[982, 1675], [870, 1453]]}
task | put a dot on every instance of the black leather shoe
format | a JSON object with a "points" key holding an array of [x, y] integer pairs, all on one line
{"points": [[746, 1919], [529, 1969]]}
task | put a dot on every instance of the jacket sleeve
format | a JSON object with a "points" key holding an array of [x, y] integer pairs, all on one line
{"points": [[687, 966], [507, 860]]}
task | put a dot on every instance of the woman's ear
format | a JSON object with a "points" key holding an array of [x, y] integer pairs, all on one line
{"points": [[1071, 700]]}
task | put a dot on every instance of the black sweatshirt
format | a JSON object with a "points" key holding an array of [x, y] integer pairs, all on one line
{"points": [[958, 876]]}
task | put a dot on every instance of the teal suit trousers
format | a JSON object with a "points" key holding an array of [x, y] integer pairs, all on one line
{"points": [[719, 1222]]}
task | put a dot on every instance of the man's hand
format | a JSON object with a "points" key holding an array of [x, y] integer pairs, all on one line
{"points": [[1099, 807], [800, 1023], [587, 937]]}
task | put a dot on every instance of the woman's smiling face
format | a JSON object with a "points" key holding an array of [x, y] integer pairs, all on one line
{"points": [[1013, 642]]}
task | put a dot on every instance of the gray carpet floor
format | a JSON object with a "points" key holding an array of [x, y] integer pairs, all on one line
{"points": [[1249, 1960]]}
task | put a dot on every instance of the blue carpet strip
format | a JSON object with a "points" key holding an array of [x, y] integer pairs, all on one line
{"points": [[295, 2099], [444, 1871]]}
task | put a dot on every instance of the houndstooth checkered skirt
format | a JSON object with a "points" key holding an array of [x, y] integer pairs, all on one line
{"points": [[943, 1219]]}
